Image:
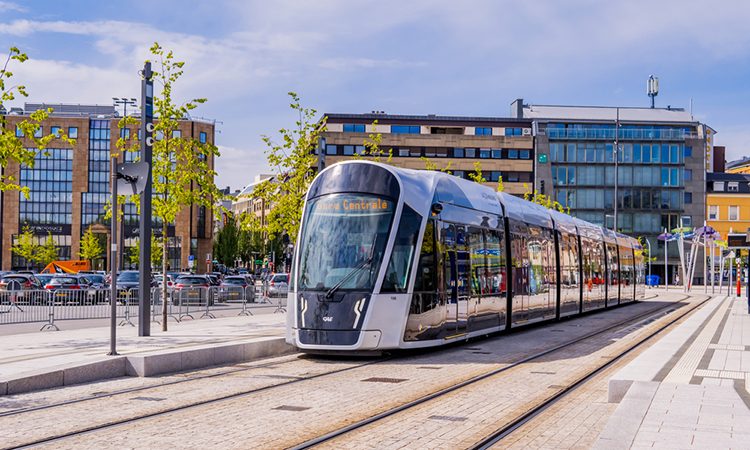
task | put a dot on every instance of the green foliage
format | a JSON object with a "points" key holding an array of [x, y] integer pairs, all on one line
{"points": [[157, 247], [644, 251], [47, 252], [226, 243], [372, 148], [477, 176], [26, 246], [292, 159], [500, 185], [91, 246], [544, 200], [12, 148]]}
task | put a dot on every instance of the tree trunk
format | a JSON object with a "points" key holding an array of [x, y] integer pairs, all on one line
{"points": [[164, 276]]}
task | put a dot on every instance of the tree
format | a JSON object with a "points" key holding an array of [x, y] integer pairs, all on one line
{"points": [[157, 245], [226, 243], [500, 185], [12, 147], [544, 200], [477, 176], [26, 246], [293, 162], [372, 148], [180, 169], [91, 246], [48, 252]]}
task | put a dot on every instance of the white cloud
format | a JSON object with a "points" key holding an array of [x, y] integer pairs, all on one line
{"points": [[367, 63], [10, 6], [236, 167]]}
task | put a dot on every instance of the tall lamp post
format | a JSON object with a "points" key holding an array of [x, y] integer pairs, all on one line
{"points": [[125, 102]]}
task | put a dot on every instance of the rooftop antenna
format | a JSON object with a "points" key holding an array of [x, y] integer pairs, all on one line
{"points": [[652, 88]]}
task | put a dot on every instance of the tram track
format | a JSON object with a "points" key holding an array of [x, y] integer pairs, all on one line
{"points": [[514, 423], [113, 424]]}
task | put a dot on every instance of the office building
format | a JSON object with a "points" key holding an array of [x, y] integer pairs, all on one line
{"points": [[70, 187], [659, 169], [503, 147]]}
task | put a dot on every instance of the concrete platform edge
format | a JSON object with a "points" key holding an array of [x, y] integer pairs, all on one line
{"points": [[145, 365]]}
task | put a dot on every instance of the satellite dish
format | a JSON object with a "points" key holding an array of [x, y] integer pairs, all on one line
{"points": [[132, 177]]}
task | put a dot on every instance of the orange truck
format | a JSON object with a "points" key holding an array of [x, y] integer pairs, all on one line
{"points": [[67, 266]]}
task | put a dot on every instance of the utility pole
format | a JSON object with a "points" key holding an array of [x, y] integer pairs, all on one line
{"points": [[144, 231], [616, 154]]}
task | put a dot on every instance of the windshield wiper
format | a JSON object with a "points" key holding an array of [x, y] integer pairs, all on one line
{"points": [[348, 276]]}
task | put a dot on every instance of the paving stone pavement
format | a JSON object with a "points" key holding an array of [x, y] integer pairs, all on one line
{"points": [[464, 417], [702, 398]]}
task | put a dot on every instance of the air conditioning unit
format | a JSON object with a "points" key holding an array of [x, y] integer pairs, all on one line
{"points": [[527, 131]]}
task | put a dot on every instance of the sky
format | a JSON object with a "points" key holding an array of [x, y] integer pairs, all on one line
{"points": [[470, 57]]}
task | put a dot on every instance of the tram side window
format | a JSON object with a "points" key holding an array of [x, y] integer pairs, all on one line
{"points": [[495, 251], [399, 267], [478, 264], [426, 280]]}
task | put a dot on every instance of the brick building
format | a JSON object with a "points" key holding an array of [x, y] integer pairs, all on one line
{"points": [[70, 187]]}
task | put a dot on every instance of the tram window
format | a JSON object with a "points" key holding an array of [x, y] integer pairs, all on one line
{"points": [[426, 280], [495, 253], [477, 260], [399, 266]]}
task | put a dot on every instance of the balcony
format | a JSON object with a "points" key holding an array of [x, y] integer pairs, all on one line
{"points": [[625, 134]]}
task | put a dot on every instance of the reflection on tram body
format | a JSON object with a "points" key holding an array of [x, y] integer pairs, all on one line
{"points": [[395, 258]]}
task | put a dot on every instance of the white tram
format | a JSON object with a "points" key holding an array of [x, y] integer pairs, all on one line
{"points": [[394, 258]]}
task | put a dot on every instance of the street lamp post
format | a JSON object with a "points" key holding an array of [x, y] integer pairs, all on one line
{"points": [[616, 155], [649, 258]]}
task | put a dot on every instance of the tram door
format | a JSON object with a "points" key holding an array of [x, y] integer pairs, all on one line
{"points": [[456, 268], [457, 276]]}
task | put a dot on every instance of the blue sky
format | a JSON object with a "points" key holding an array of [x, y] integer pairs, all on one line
{"points": [[402, 57]]}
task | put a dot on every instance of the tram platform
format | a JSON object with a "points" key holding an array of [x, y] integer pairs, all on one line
{"points": [[43, 360], [691, 389]]}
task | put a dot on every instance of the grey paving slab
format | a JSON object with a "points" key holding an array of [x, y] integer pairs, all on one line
{"points": [[697, 377]]}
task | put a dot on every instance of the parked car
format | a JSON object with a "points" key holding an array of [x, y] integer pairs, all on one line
{"points": [[26, 288], [191, 289], [127, 281], [234, 287], [159, 282], [43, 278], [278, 284], [72, 288]]}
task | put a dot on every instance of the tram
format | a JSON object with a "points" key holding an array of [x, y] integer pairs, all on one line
{"points": [[392, 258]]}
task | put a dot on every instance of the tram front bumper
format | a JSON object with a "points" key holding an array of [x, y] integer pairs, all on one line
{"points": [[312, 339]]}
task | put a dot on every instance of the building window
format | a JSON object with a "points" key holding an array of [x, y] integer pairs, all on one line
{"points": [[483, 131], [733, 186], [497, 153], [512, 153], [484, 153], [524, 154], [688, 175], [331, 149], [202, 137], [403, 152], [19, 132], [514, 131], [734, 213], [176, 134], [73, 132], [719, 186], [354, 128], [55, 130], [50, 201], [713, 212], [688, 197], [687, 152], [38, 132], [458, 152], [125, 133], [405, 129], [470, 152], [686, 221], [201, 222]]}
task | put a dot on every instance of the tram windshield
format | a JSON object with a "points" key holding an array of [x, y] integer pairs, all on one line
{"points": [[343, 241]]}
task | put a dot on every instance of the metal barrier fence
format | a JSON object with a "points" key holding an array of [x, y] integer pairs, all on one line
{"points": [[50, 307]]}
